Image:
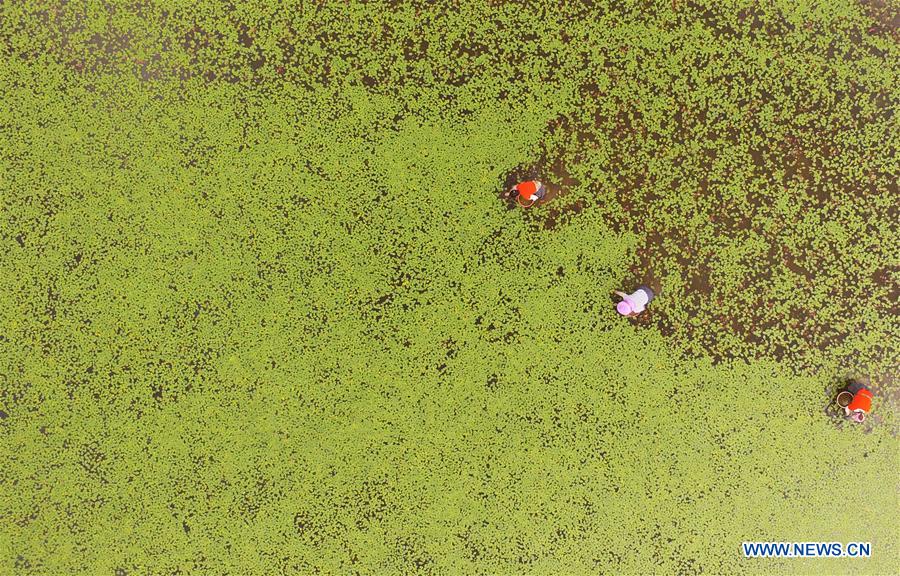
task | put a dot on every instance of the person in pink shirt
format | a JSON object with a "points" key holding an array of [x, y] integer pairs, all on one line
{"points": [[634, 303]]}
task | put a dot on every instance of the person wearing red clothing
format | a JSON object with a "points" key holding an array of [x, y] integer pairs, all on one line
{"points": [[860, 405], [528, 192]]}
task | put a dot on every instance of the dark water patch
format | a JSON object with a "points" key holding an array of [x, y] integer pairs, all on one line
{"points": [[889, 277], [712, 20], [198, 38], [561, 214], [752, 17], [414, 556], [764, 332], [886, 17], [246, 35]]}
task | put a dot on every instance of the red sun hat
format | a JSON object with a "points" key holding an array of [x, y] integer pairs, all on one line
{"points": [[526, 189], [862, 400]]}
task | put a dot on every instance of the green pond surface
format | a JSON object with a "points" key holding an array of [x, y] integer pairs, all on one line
{"points": [[263, 310]]}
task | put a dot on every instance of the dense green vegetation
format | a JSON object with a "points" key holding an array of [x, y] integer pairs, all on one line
{"points": [[262, 310]]}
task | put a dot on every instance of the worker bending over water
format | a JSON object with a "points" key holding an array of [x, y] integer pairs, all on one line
{"points": [[634, 303], [529, 192]]}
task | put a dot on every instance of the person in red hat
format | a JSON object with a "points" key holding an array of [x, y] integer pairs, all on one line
{"points": [[529, 192], [860, 405]]}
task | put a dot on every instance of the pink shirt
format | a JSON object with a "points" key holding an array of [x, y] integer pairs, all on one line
{"points": [[638, 300]]}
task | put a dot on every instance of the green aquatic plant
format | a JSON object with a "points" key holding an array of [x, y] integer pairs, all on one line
{"points": [[262, 310]]}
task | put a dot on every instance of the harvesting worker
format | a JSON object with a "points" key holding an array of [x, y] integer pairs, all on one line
{"points": [[527, 193], [634, 303], [860, 406]]}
